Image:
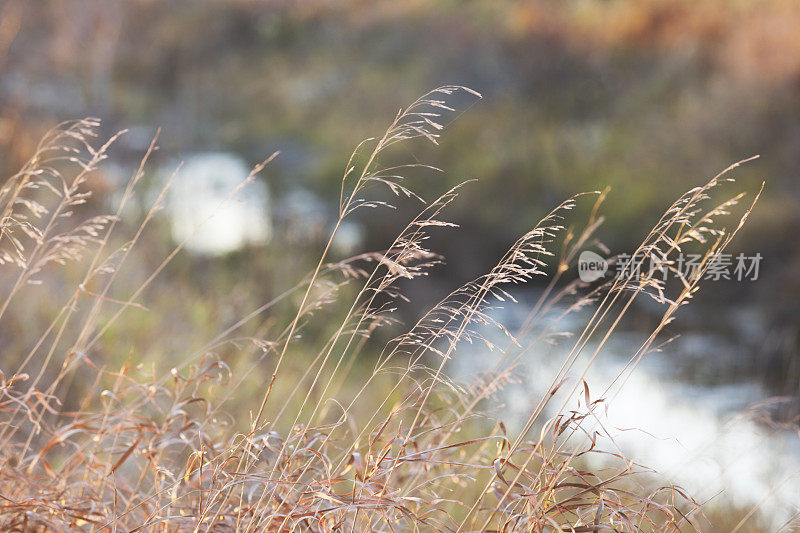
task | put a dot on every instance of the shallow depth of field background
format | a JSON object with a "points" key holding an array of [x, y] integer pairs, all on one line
{"points": [[648, 97]]}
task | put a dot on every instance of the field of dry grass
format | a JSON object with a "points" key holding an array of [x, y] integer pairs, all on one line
{"points": [[255, 431]]}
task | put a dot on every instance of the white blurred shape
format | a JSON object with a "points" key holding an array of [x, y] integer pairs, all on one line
{"points": [[199, 208]]}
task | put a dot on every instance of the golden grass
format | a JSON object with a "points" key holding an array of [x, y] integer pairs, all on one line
{"points": [[341, 441]]}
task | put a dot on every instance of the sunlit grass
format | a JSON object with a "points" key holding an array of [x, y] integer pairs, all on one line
{"points": [[300, 421]]}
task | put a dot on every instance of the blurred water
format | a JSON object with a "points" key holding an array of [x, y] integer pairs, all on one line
{"points": [[698, 431], [201, 209]]}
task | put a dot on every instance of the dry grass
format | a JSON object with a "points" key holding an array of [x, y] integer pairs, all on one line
{"points": [[341, 447]]}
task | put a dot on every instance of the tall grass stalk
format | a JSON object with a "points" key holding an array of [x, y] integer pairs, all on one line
{"points": [[364, 437]]}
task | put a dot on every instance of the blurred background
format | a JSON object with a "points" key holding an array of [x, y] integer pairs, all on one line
{"points": [[648, 97]]}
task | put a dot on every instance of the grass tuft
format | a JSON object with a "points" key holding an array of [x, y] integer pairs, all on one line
{"points": [[343, 434]]}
